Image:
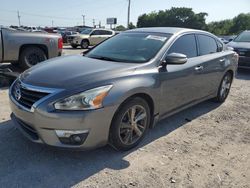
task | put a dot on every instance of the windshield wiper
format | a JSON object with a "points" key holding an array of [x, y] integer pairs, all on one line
{"points": [[105, 58]]}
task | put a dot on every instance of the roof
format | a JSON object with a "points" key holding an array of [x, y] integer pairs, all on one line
{"points": [[169, 30]]}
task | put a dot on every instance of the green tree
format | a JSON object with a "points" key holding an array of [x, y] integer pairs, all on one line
{"points": [[120, 28], [131, 26], [240, 23], [174, 17], [220, 28]]}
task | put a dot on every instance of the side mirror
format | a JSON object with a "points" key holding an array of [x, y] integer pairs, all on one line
{"points": [[230, 40], [175, 59]]}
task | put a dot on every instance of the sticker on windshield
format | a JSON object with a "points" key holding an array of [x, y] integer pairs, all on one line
{"points": [[155, 37]]}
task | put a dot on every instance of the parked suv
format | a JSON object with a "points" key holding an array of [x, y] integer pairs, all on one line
{"points": [[241, 45], [89, 37]]}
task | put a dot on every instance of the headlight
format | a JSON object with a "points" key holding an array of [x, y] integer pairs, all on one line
{"points": [[87, 100]]}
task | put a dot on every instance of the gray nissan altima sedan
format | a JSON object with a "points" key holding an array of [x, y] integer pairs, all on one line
{"points": [[118, 90]]}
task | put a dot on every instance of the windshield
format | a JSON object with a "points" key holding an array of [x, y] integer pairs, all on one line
{"points": [[243, 37], [130, 47], [86, 31]]}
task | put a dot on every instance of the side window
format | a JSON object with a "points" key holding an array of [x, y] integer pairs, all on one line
{"points": [[219, 46], [96, 32], [185, 45], [106, 32], [207, 45]]}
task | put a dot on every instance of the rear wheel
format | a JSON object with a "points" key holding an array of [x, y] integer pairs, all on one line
{"points": [[30, 56], [73, 46], [84, 44], [130, 124], [224, 88]]}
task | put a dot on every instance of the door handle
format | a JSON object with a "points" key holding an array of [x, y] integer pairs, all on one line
{"points": [[199, 68], [222, 60]]}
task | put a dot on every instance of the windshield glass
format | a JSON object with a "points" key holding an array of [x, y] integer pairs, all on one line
{"points": [[130, 47], [86, 31], [243, 37]]}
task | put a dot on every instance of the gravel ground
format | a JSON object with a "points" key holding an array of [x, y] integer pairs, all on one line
{"points": [[207, 145]]}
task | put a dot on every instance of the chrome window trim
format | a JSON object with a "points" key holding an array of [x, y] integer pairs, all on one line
{"points": [[51, 92]]}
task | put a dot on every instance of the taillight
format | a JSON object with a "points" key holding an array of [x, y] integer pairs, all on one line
{"points": [[60, 43]]}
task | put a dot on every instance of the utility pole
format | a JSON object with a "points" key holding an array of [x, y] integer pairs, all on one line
{"points": [[129, 3], [100, 24], [94, 23], [52, 23], [83, 20], [19, 18]]}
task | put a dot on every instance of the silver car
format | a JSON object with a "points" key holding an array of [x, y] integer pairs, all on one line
{"points": [[118, 90]]}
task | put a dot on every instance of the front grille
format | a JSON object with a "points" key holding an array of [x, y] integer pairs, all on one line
{"points": [[25, 96], [242, 52], [70, 38]]}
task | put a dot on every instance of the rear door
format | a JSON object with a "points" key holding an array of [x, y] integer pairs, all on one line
{"points": [[212, 58], [98, 36], [95, 37], [182, 85]]}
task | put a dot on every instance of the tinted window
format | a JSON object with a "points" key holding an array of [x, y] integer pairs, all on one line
{"points": [[103, 32], [243, 37], [207, 45], [185, 45], [96, 32]]}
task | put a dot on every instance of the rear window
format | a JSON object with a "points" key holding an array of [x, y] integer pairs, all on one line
{"points": [[207, 45]]}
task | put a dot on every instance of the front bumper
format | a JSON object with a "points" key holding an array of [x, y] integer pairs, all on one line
{"points": [[75, 41], [244, 62], [40, 126]]}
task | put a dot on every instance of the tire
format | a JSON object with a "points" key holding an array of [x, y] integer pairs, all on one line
{"points": [[224, 88], [73, 46], [125, 135], [31, 56], [84, 44]]}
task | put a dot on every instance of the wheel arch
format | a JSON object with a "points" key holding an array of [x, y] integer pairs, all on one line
{"points": [[44, 48], [144, 96]]}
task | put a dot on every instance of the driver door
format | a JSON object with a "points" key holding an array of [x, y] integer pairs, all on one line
{"points": [[182, 84]]}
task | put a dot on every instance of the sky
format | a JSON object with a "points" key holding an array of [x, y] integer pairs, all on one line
{"points": [[69, 12]]}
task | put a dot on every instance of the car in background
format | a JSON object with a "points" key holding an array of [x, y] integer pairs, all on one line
{"points": [[117, 91], [28, 48], [66, 34], [224, 40], [89, 37], [241, 45]]}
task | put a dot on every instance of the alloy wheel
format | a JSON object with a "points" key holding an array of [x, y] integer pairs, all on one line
{"points": [[225, 86], [133, 124]]}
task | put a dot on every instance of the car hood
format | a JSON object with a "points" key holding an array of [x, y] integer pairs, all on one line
{"points": [[72, 71], [239, 44]]}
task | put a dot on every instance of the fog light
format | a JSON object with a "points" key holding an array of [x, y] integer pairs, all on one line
{"points": [[72, 137], [76, 138]]}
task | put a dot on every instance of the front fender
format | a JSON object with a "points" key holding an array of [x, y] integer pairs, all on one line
{"points": [[140, 84]]}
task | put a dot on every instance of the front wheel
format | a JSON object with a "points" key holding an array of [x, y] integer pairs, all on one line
{"points": [[84, 44], [130, 124], [224, 88]]}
